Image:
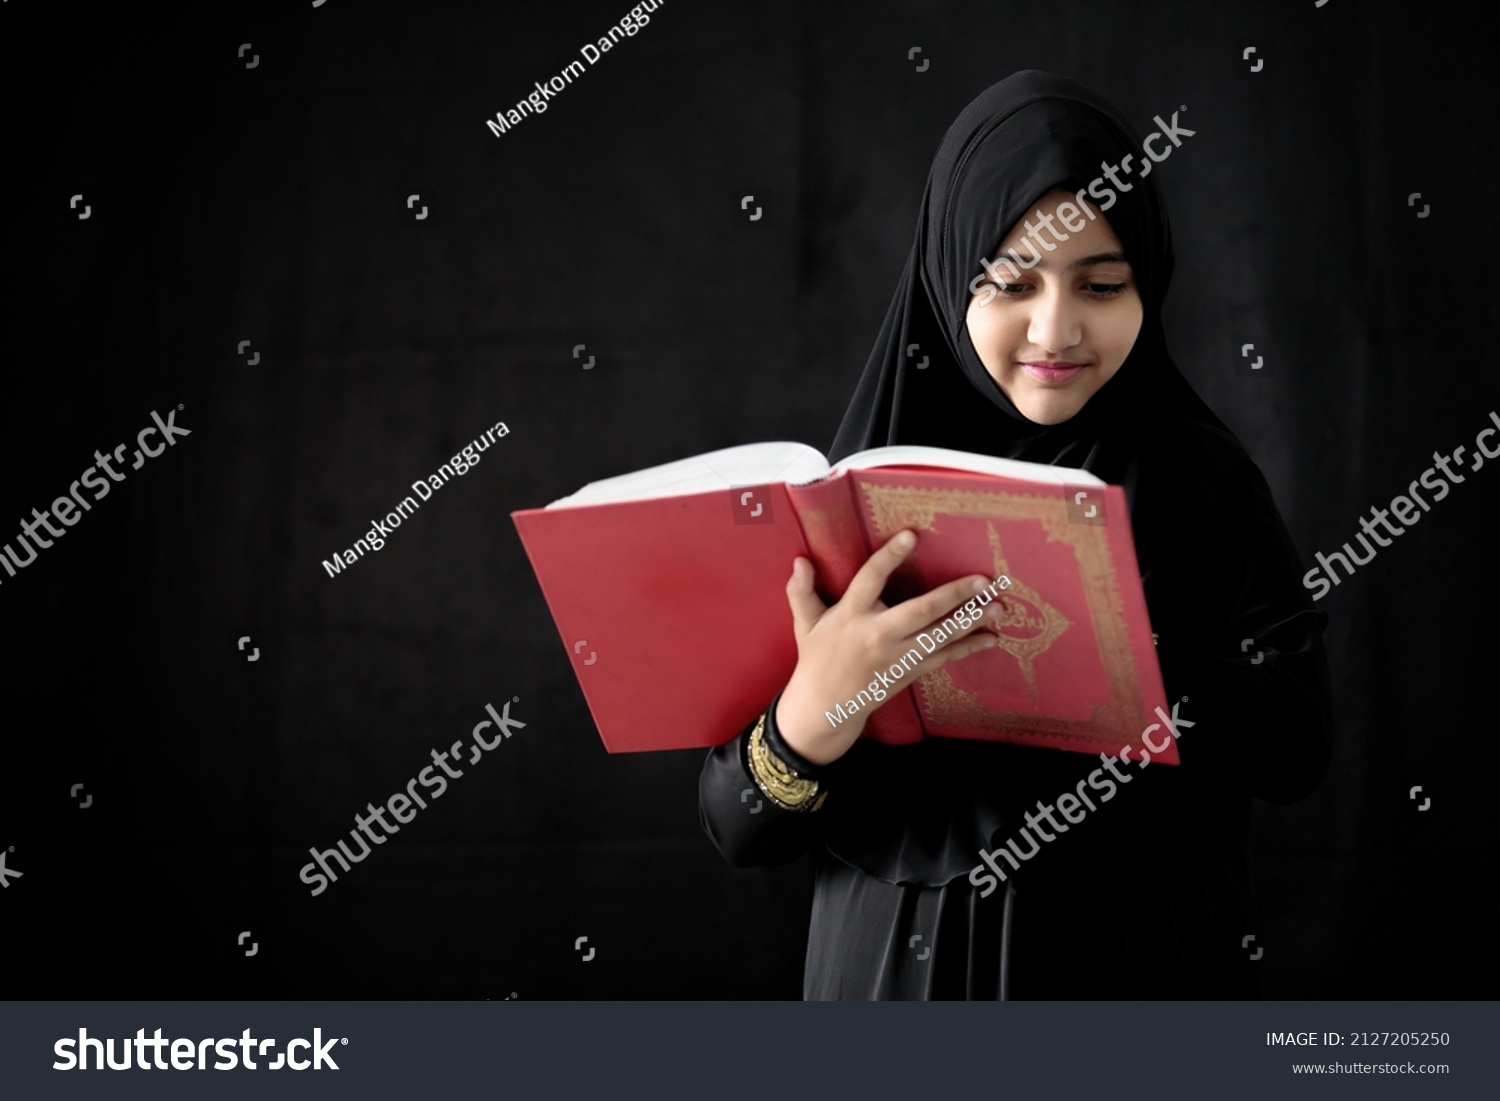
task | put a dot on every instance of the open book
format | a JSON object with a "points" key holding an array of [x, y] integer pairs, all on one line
{"points": [[668, 587]]}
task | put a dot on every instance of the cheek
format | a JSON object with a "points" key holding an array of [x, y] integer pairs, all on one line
{"points": [[977, 321], [990, 330], [1120, 331]]}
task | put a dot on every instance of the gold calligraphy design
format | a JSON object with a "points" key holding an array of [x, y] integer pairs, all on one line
{"points": [[1112, 722], [1028, 624]]}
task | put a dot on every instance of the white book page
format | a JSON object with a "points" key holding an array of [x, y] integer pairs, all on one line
{"points": [[910, 455], [748, 464]]}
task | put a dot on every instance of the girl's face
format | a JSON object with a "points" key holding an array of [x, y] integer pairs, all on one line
{"points": [[1052, 334]]}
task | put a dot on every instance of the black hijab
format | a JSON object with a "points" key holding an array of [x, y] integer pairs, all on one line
{"points": [[1021, 138], [1215, 558]]}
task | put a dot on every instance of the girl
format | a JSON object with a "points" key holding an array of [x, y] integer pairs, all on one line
{"points": [[1035, 297]]}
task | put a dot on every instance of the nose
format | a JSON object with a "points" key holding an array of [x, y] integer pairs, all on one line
{"points": [[1055, 324]]}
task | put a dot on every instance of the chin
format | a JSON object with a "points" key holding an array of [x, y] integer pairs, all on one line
{"points": [[1048, 412]]}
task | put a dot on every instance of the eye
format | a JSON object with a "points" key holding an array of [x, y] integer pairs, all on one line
{"points": [[1104, 290], [1010, 290]]}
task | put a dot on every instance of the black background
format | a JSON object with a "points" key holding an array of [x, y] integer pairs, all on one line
{"points": [[269, 205]]}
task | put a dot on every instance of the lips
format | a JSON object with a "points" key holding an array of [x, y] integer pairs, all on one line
{"points": [[1053, 370]]}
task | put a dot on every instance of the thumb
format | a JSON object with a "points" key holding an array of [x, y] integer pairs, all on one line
{"points": [[807, 609]]}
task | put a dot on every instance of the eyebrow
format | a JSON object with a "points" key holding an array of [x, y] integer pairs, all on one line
{"points": [[1099, 258], [1085, 262]]}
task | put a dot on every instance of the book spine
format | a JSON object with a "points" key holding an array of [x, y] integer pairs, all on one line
{"points": [[831, 528], [839, 543]]}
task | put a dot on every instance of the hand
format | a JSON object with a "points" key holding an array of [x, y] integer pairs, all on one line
{"points": [[839, 648]]}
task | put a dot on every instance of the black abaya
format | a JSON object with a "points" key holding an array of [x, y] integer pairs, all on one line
{"points": [[1148, 896]]}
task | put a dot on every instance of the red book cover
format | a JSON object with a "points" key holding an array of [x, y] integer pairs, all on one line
{"points": [[1075, 667], [673, 609]]}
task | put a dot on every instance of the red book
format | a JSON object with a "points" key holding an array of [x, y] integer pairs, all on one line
{"points": [[668, 588]]}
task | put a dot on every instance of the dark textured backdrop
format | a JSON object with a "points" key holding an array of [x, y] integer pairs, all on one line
{"points": [[269, 205]]}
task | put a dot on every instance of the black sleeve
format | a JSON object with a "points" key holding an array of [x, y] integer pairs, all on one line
{"points": [[1263, 731], [1257, 677], [749, 829]]}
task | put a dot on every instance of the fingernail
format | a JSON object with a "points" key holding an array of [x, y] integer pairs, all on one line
{"points": [[980, 585], [905, 540]]}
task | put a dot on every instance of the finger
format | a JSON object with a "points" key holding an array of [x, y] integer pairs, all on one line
{"points": [[807, 609], [952, 626], [911, 615], [871, 579], [960, 649]]}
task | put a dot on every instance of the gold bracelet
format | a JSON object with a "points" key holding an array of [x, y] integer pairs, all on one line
{"points": [[779, 782]]}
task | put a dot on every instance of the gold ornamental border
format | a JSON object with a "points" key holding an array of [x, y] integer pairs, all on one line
{"points": [[1117, 722]]}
